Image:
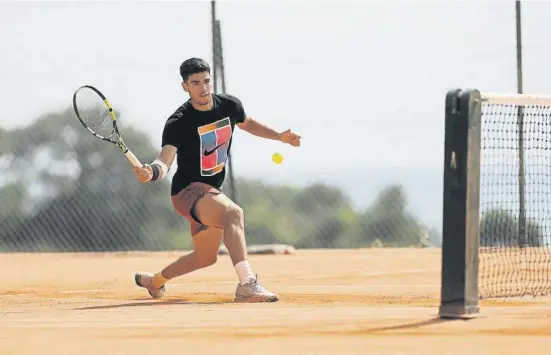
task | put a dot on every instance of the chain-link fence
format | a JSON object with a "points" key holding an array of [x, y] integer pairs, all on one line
{"points": [[63, 190]]}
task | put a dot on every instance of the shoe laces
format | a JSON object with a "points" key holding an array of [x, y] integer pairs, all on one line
{"points": [[255, 284]]}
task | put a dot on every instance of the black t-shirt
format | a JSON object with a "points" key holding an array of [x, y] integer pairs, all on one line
{"points": [[203, 140]]}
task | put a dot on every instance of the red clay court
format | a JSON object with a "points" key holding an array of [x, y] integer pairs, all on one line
{"points": [[376, 301]]}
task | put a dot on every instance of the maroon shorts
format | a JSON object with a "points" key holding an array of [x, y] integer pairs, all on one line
{"points": [[185, 200]]}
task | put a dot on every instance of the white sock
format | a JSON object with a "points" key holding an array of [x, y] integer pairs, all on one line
{"points": [[244, 271]]}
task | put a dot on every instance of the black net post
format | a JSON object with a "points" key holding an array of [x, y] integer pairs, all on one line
{"points": [[459, 287]]}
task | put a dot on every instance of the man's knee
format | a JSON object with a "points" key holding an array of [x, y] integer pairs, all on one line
{"points": [[207, 260], [206, 245], [233, 215]]}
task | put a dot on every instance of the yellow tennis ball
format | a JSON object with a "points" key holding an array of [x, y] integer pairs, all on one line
{"points": [[277, 158]]}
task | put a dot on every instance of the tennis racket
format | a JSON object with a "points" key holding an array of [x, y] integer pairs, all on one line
{"points": [[95, 113]]}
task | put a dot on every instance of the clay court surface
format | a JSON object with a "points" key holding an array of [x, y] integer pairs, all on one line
{"points": [[378, 301]]}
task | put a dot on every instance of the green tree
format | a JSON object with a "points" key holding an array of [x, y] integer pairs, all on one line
{"points": [[12, 214], [322, 213], [385, 222], [80, 192], [500, 228], [534, 233], [65, 190]]}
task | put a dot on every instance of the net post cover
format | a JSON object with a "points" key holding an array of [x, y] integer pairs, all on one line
{"points": [[461, 199]]}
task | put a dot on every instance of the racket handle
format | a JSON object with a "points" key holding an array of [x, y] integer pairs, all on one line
{"points": [[133, 159]]}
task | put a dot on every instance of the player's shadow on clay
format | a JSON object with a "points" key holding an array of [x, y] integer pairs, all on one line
{"points": [[152, 304]]}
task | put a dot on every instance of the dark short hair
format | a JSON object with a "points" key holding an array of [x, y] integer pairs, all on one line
{"points": [[193, 66]]}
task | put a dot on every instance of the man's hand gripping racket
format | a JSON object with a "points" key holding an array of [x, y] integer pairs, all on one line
{"points": [[143, 173]]}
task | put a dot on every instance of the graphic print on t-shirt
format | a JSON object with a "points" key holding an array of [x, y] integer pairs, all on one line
{"points": [[215, 140]]}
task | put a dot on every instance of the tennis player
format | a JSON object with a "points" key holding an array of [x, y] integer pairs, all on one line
{"points": [[200, 133]]}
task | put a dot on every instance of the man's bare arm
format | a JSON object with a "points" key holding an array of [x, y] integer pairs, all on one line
{"points": [[258, 129], [167, 155], [261, 130]]}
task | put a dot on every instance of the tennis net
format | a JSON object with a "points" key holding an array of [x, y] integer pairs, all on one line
{"points": [[515, 196]]}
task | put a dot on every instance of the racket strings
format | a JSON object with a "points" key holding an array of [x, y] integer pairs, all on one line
{"points": [[94, 113]]}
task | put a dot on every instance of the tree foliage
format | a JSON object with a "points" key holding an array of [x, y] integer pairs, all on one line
{"points": [[500, 228], [62, 189], [67, 190]]}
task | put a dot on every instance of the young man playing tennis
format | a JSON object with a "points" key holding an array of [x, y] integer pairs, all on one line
{"points": [[200, 133]]}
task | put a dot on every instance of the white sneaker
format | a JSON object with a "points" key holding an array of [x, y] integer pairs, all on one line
{"points": [[253, 292], [144, 279]]}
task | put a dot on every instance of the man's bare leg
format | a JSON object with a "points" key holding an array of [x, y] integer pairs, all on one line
{"points": [[204, 254], [221, 212]]}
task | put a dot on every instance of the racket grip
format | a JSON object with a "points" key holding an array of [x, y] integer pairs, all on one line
{"points": [[133, 159]]}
